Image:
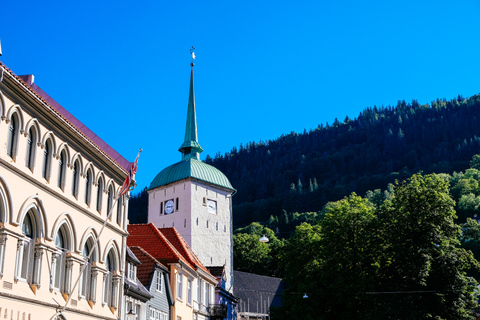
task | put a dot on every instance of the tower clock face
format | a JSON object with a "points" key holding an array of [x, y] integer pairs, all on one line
{"points": [[169, 207], [212, 206]]}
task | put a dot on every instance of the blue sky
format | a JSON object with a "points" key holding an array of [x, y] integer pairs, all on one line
{"points": [[263, 68]]}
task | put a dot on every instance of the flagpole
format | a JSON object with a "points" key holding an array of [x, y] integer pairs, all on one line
{"points": [[127, 186], [95, 244]]}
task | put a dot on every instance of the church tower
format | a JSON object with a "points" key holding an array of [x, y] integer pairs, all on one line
{"points": [[196, 199]]}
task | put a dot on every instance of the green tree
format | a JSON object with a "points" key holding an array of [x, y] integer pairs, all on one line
{"points": [[426, 263], [251, 255], [470, 240], [475, 162], [401, 260]]}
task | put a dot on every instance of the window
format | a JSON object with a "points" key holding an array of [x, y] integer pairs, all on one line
{"points": [[200, 291], [30, 152], [76, 178], [61, 268], [88, 278], [99, 195], [12, 136], [107, 283], [176, 204], [28, 259], [158, 283], [119, 210], [25, 249], [132, 271], [180, 286], [207, 294], [88, 187], [157, 314], [62, 165], [111, 282], [189, 292], [47, 159], [109, 199], [134, 307]]}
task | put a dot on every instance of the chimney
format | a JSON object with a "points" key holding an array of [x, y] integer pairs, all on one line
{"points": [[28, 79]]}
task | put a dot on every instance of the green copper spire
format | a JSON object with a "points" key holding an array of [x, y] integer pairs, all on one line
{"points": [[190, 147]]}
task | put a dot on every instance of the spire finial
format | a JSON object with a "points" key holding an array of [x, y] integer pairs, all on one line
{"points": [[193, 56], [190, 147]]}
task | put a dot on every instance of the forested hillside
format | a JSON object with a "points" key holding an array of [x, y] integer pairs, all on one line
{"points": [[301, 172]]}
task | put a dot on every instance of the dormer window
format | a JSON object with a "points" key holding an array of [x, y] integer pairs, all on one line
{"points": [[132, 271]]}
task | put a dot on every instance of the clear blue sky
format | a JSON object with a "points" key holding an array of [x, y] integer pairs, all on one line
{"points": [[263, 68]]}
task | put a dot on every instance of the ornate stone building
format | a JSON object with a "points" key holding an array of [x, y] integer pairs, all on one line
{"points": [[58, 180]]}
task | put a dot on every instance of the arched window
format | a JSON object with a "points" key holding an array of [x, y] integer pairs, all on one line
{"points": [[28, 257], [88, 186], [119, 210], [62, 167], [110, 282], [30, 152], [99, 195], [76, 177], [47, 159], [12, 136], [61, 264], [88, 278], [109, 199]]}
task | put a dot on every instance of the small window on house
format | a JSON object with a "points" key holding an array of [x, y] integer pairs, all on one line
{"points": [[158, 283], [189, 292], [176, 204], [185, 223], [180, 286], [161, 208], [132, 271]]}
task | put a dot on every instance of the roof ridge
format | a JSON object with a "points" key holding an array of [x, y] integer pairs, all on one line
{"points": [[188, 250]]}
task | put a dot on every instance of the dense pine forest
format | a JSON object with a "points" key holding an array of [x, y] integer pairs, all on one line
{"points": [[301, 172]]}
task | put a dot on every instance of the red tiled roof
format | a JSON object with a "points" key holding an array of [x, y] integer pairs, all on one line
{"points": [[182, 246], [71, 120], [146, 269], [165, 244], [154, 242]]}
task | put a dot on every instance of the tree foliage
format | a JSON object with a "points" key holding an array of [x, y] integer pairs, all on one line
{"points": [[400, 260]]}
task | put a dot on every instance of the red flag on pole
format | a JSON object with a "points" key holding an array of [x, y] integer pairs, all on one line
{"points": [[130, 177]]}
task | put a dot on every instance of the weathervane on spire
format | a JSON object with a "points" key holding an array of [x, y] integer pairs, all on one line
{"points": [[193, 55]]}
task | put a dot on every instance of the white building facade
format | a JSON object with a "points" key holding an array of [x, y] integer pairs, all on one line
{"points": [[56, 187]]}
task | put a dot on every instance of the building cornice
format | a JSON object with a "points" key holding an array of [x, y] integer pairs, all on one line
{"points": [[13, 83]]}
